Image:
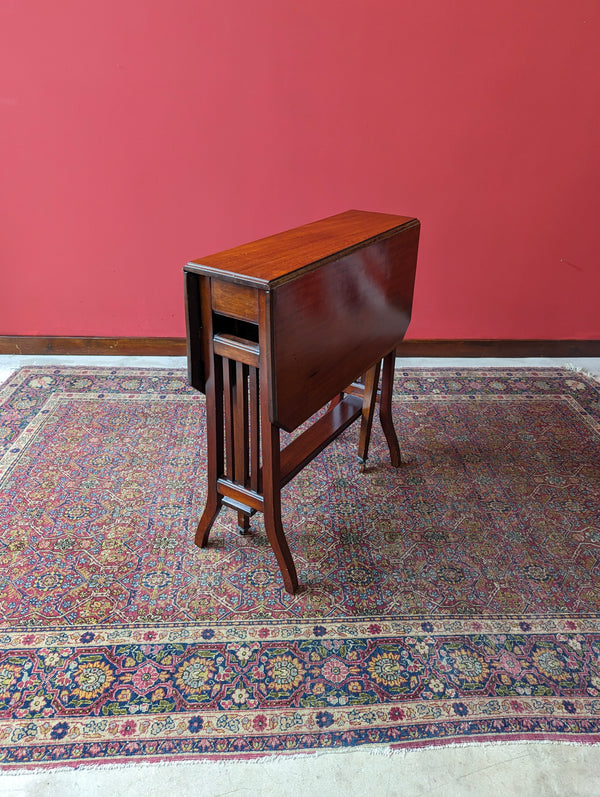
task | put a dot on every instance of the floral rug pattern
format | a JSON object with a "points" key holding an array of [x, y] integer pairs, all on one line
{"points": [[454, 599]]}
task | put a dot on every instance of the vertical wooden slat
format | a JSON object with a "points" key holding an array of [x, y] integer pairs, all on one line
{"points": [[228, 391], [254, 431], [240, 424]]}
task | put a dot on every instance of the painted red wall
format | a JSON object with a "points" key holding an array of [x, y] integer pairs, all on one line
{"points": [[138, 134]]}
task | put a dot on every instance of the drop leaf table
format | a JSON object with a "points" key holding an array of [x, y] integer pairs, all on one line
{"points": [[285, 327]]}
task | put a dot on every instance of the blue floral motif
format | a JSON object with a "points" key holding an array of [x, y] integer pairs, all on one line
{"points": [[59, 731], [319, 630], [324, 719], [195, 724], [460, 709]]}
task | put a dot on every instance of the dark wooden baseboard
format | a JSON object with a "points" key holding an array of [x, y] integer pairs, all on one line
{"points": [[176, 347], [499, 348], [143, 347]]}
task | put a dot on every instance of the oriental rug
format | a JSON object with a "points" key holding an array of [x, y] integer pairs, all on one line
{"points": [[454, 599]]}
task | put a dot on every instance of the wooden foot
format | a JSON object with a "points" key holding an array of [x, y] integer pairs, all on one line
{"points": [[276, 537], [243, 522], [211, 510]]}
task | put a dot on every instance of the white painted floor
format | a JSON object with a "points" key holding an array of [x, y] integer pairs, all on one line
{"points": [[519, 770]]}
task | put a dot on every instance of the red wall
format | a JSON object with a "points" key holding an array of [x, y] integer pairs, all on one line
{"points": [[138, 134]]}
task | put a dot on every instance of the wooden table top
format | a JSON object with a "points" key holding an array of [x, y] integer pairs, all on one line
{"points": [[276, 259]]}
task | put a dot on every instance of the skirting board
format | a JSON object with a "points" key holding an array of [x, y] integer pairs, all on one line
{"points": [[173, 347]]}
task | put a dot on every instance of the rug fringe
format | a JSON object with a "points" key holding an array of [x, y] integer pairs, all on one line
{"points": [[579, 370], [383, 751]]}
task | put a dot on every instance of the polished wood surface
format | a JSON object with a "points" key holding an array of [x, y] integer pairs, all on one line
{"points": [[278, 258], [281, 328], [359, 304], [235, 301]]}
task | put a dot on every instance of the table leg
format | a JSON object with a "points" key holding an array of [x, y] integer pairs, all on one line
{"points": [[369, 401], [385, 408], [215, 452], [271, 482], [243, 522]]}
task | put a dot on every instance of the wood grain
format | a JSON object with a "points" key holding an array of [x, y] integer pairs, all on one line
{"points": [[235, 301], [271, 261], [334, 323], [84, 346]]}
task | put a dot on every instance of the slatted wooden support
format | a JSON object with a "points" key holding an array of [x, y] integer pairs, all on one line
{"points": [[241, 483]]}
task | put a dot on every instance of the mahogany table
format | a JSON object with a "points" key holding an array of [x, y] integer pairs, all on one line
{"points": [[281, 328]]}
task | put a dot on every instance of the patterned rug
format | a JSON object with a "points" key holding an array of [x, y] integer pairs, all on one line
{"points": [[455, 599]]}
